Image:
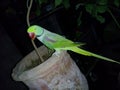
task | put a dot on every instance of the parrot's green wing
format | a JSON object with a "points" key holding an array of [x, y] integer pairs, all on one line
{"points": [[87, 53], [56, 41]]}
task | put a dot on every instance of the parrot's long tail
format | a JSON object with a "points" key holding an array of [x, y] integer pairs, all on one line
{"points": [[87, 53]]}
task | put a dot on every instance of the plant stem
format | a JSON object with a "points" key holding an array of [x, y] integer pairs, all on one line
{"points": [[28, 13], [28, 23], [36, 50], [114, 18]]}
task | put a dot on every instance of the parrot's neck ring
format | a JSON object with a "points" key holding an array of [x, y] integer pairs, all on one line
{"points": [[40, 34]]}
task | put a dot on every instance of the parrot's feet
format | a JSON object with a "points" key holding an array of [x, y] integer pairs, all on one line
{"points": [[57, 53]]}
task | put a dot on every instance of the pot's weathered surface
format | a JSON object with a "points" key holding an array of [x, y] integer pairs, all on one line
{"points": [[59, 72]]}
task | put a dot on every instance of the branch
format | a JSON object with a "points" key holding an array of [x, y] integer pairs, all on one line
{"points": [[114, 18], [28, 23]]}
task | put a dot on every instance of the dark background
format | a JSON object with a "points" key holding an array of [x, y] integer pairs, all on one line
{"points": [[15, 43]]}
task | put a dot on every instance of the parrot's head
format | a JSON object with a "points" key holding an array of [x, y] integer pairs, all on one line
{"points": [[35, 31]]}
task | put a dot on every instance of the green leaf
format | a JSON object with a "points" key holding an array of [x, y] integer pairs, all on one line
{"points": [[100, 18], [58, 2], [41, 1], [102, 2], [89, 8], [117, 3], [66, 3], [101, 9]]}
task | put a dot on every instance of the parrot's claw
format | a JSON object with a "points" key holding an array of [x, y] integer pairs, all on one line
{"points": [[57, 53]]}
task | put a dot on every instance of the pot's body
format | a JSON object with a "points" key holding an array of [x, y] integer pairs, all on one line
{"points": [[59, 72]]}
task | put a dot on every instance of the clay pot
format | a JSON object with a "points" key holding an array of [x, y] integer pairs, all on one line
{"points": [[58, 72]]}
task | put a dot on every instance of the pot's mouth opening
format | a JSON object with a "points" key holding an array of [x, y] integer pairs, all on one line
{"points": [[35, 62], [31, 61]]}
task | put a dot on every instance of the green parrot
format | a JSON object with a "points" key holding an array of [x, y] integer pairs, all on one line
{"points": [[58, 42]]}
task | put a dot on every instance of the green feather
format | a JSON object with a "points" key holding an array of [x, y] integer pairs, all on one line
{"points": [[58, 42], [87, 53]]}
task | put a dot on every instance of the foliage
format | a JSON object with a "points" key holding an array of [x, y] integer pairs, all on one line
{"points": [[98, 7], [66, 3], [94, 7]]}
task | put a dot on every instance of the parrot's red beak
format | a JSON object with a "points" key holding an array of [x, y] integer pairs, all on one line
{"points": [[32, 35]]}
